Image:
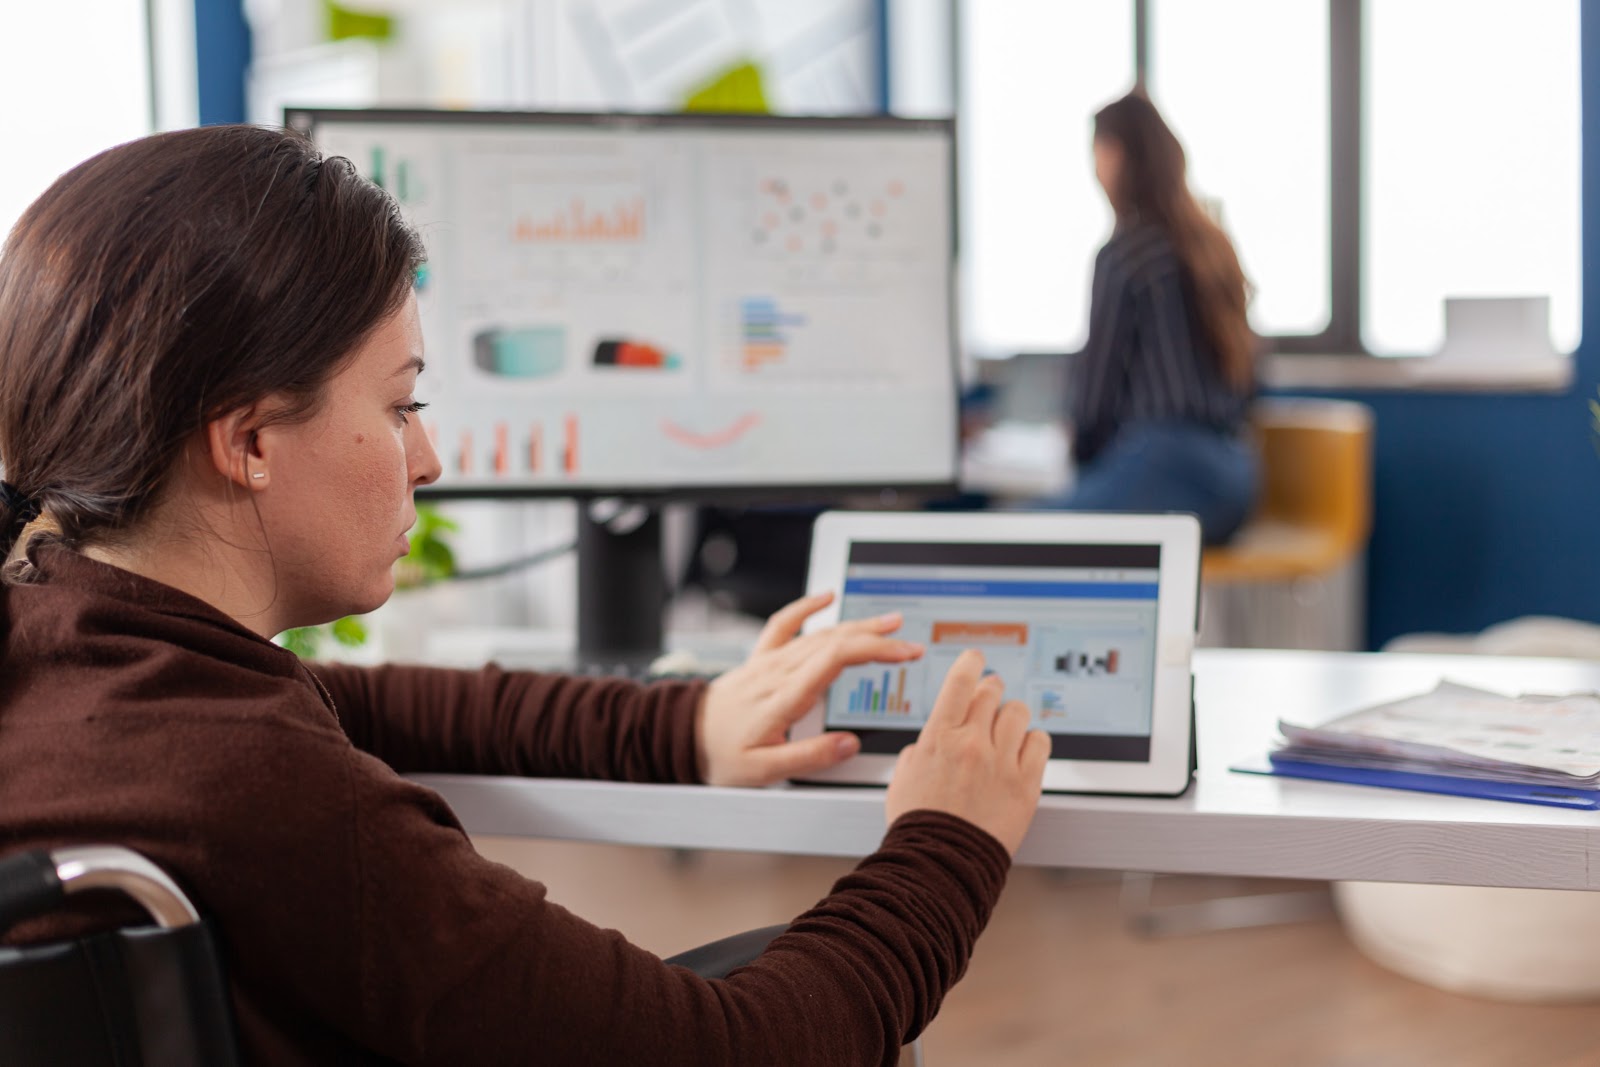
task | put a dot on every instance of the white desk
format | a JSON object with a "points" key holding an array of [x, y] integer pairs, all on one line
{"points": [[1227, 823]]}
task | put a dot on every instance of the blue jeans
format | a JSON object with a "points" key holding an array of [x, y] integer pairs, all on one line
{"points": [[1171, 466]]}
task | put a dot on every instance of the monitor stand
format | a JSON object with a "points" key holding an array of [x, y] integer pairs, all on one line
{"points": [[622, 587]]}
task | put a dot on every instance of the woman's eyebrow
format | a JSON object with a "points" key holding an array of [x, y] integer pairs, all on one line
{"points": [[415, 363]]}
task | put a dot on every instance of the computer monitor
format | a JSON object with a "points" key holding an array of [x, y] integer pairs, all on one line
{"points": [[680, 307]]}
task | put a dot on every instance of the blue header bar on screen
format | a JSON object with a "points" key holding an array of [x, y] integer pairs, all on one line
{"points": [[968, 587]]}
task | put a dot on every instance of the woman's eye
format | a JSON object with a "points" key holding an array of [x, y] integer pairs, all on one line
{"points": [[409, 409]]}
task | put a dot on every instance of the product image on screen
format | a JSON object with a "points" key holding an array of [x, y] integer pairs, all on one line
{"points": [[1070, 630]]}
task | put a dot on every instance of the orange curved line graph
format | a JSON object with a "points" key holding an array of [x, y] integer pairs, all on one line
{"points": [[716, 438]]}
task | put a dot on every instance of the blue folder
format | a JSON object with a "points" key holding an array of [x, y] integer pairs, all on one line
{"points": [[1550, 795]]}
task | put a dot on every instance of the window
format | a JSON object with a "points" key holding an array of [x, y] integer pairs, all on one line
{"points": [[1244, 85], [1370, 159], [1031, 75], [75, 79], [1472, 171]]}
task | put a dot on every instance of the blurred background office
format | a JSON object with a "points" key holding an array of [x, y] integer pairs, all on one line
{"points": [[1411, 228], [1402, 180]]}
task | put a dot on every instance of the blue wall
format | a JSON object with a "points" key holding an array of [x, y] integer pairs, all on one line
{"points": [[222, 53], [1488, 507]]}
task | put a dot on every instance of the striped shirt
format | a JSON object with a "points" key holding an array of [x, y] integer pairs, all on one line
{"points": [[1147, 358]]}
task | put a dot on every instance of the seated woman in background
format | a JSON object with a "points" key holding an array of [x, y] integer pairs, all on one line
{"points": [[1160, 393], [209, 348]]}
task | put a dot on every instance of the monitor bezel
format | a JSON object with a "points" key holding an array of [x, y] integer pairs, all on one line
{"points": [[304, 120]]}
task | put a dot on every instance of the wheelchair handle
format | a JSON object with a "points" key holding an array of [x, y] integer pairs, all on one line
{"points": [[36, 882]]}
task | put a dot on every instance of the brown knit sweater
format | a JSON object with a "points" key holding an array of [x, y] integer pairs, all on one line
{"points": [[357, 923]]}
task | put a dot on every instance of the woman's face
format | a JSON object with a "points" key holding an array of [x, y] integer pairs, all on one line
{"points": [[339, 502], [1108, 166]]}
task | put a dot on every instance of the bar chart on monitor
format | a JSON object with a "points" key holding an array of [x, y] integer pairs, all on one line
{"points": [[610, 213], [580, 222]]}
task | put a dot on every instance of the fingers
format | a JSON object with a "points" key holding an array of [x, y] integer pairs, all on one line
{"points": [[806, 683], [1011, 727], [887, 623], [780, 630], [794, 759], [854, 649], [1035, 754], [800, 651], [986, 700], [953, 705], [842, 648], [787, 620]]}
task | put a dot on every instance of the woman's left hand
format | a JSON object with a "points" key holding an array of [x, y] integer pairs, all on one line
{"points": [[744, 718]]}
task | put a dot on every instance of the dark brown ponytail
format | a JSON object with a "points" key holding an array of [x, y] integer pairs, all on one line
{"points": [[1153, 187]]}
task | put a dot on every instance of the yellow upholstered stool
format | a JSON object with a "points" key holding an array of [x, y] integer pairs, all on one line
{"points": [[1293, 576]]}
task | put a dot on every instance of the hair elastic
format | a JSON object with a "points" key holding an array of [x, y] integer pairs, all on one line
{"points": [[23, 509]]}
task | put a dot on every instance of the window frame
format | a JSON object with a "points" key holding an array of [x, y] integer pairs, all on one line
{"points": [[173, 64], [1342, 335], [1340, 345]]}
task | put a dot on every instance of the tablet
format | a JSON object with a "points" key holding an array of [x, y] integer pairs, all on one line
{"points": [[1089, 619]]}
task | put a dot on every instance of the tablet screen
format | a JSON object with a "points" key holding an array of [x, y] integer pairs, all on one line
{"points": [[1070, 629]]}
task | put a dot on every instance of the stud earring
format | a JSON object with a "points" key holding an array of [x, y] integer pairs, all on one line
{"points": [[259, 475]]}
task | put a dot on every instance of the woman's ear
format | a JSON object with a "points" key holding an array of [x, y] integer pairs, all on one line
{"points": [[234, 448]]}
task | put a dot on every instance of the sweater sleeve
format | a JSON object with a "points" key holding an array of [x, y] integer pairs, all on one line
{"points": [[493, 721], [463, 961]]}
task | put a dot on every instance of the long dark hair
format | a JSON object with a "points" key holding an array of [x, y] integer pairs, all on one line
{"points": [[1153, 187], [166, 282]]}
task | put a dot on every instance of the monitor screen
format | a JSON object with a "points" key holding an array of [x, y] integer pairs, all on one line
{"points": [[661, 304]]}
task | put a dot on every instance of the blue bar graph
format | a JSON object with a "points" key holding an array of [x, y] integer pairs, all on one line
{"points": [[886, 696]]}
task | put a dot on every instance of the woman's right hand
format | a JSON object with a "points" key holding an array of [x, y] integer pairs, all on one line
{"points": [[975, 758]]}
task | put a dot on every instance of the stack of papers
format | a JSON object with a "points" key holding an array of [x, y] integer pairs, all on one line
{"points": [[1457, 739]]}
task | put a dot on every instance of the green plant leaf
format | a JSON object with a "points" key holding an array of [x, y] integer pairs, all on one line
{"points": [[302, 641], [436, 558], [431, 519], [349, 631], [431, 558]]}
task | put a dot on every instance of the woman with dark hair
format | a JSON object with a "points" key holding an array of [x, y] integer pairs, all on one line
{"points": [[1161, 390], [208, 355]]}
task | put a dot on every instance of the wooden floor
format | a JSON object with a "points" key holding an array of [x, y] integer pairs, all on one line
{"points": [[1058, 979]]}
